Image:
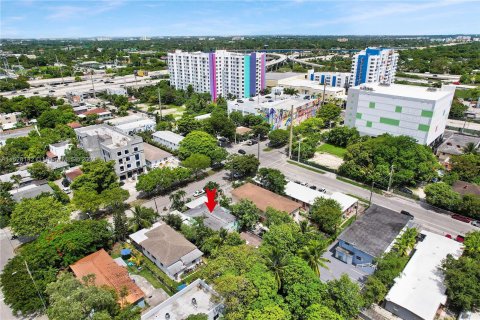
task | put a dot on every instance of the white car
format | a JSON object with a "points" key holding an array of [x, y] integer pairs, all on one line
{"points": [[66, 190], [198, 193]]}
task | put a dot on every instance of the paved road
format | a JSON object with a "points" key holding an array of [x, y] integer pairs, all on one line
{"points": [[427, 218], [424, 216], [6, 252]]}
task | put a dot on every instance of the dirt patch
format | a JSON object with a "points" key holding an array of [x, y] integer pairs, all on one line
{"points": [[327, 160]]}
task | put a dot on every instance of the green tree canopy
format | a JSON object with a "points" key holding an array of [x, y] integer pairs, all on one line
{"points": [[244, 165], [247, 214], [201, 143], [272, 179], [327, 213], [33, 216], [329, 113], [196, 162], [278, 138]]}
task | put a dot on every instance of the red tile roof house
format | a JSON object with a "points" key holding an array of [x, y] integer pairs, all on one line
{"points": [[103, 114], [72, 174], [108, 273]]}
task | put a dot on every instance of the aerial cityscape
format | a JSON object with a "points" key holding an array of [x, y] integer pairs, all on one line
{"points": [[239, 160]]}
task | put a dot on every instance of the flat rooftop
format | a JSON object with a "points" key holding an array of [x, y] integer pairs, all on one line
{"points": [[153, 153], [264, 198], [126, 119], [197, 297], [168, 136], [375, 230], [109, 135], [455, 143], [307, 195], [283, 102], [309, 84], [282, 75], [406, 91], [420, 288]]}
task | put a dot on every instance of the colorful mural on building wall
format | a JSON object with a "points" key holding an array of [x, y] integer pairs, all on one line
{"points": [[281, 118]]}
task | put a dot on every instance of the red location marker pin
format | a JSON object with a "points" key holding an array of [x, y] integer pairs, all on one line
{"points": [[211, 203]]}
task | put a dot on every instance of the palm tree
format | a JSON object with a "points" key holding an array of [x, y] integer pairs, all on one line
{"points": [[313, 255], [276, 262], [406, 242], [470, 148], [142, 218], [305, 227], [177, 200]]}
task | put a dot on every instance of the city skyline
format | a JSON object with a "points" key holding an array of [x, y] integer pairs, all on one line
{"points": [[126, 18]]}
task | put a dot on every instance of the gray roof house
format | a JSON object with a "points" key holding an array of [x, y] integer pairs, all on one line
{"points": [[31, 191], [219, 218], [370, 236], [168, 249]]}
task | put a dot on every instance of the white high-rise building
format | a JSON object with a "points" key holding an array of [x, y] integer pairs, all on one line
{"points": [[219, 72], [414, 111], [374, 65]]}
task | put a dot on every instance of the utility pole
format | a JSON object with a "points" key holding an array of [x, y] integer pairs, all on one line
{"points": [[390, 179], [35, 285], [299, 141], [93, 86], [160, 104], [291, 134], [371, 193], [258, 148], [61, 73], [324, 87]]}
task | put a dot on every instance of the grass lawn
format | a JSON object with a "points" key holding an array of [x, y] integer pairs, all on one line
{"points": [[331, 149]]}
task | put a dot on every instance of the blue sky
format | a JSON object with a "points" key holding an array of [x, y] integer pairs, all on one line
{"points": [[88, 18]]}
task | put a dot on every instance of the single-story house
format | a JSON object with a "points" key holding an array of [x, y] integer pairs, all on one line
{"points": [[16, 133], [168, 139], [370, 236], [454, 145], [73, 173], [31, 191], [419, 291], [158, 158], [25, 178], [264, 198], [306, 197], [219, 218], [108, 273], [197, 297], [103, 114], [74, 125], [168, 249], [57, 150]]}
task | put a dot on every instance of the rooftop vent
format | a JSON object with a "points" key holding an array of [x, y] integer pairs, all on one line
{"points": [[430, 89]]}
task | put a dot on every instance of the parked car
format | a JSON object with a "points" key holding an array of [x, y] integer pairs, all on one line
{"points": [[406, 213], [240, 101], [313, 187], [322, 190], [35, 92], [237, 175], [51, 91], [476, 223], [449, 236], [405, 190], [241, 151], [66, 190], [305, 184], [462, 218], [198, 193], [460, 238]]}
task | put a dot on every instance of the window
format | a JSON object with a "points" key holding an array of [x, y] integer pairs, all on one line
{"points": [[120, 161], [127, 158], [371, 105], [126, 151], [119, 153], [398, 109], [122, 168], [129, 165], [135, 149], [137, 157], [392, 122], [138, 164], [359, 258], [427, 113]]}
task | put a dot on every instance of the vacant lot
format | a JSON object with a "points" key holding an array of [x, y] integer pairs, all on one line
{"points": [[331, 149]]}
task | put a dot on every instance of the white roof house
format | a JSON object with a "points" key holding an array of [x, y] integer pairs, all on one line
{"points": [[197, 297], [308, 196], [419, 291]]}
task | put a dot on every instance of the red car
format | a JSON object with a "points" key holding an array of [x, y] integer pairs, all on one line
{"points": [[460, 239], [461, 218], [449, 236]]}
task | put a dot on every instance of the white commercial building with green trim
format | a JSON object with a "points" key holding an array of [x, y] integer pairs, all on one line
{"points": [[414, 111]]}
